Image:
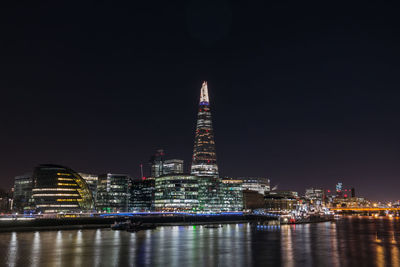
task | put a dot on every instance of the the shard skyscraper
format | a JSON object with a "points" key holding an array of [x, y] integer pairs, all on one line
{"points": [[204, 162]]}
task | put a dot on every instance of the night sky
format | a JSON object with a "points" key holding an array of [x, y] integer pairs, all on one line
{"points": [[306, 95]]}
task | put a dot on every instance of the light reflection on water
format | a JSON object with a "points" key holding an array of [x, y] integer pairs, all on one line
{"points": [[348, 242]]}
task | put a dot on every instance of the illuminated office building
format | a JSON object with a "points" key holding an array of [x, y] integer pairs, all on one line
{"points": [[113, 192], [91, 180], [156, 163], [60, 189], [161, 166], [22, 196], [172, 166], [231, 195], [176, 192]]}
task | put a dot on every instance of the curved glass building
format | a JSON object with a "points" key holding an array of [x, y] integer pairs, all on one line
{"points": [[60, 189]]}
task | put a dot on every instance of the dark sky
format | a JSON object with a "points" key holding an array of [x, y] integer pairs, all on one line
{"points": [[306, 95]]}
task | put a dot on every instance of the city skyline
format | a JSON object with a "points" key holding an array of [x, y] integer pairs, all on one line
{"points": [[305, 104], [204, 153]]}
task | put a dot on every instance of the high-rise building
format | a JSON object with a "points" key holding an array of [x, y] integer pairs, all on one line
{"points": [[157, 163], [91, 180], [172, 166], [204, 162], [22, 196], [160, 166], [113, 192], [60, 189]]}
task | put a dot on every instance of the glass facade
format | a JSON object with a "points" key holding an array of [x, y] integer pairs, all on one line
{"points": [[231, 193], [60, 189], [142, 195], [91, 180], [113, 192], [176, 192], [173, 166], [22, 197], [209, 194], [156, 163], [204, 162]]}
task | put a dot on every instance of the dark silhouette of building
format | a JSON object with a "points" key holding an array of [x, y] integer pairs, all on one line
{"points": [[142, 194]]}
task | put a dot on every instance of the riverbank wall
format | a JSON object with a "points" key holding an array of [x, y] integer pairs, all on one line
{"points": [[105, 222]]}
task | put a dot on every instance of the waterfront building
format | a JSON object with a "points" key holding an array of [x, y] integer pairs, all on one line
{"points": [[231, 195], [176, 192], [281, 200], [253, 200], [22, 196], [349, 202], [6, 201], [113, 192], [315, 195], [91, 180], [258, 184], [172, 166], [204, 162], [142, 194], [60, 189]]}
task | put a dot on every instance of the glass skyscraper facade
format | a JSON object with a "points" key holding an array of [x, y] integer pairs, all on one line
{"points": [[60, 189], [22, 196], [204, 162], [156, 163]]}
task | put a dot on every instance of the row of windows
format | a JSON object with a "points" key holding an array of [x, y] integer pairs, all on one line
{"points": [[54, 195]]}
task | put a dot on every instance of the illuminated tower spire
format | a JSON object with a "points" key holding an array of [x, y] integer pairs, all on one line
{"points": [[204, 100], [204, 157]]}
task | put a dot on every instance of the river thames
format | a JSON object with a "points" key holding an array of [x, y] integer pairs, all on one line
{"points": [[351, 241]]}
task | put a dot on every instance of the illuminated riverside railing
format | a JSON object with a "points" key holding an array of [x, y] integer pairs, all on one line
{"points": [[365, 209]]}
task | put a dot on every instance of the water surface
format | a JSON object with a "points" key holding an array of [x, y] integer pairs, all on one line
{"points": [[347, 242]]}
